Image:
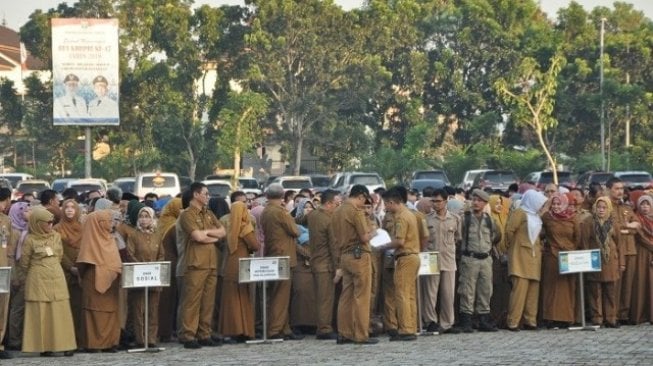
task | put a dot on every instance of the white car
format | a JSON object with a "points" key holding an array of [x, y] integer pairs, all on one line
{"points": [[294, 182], [219, 188], [469, 177], [342, 182], [88, 185], [249, 185], [162, 184]]}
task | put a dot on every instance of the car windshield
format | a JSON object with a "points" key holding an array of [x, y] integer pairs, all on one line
{"points": [[163, 181], [563, 177], [86, 187], [430, 175], [248, 183], [126, 186], [320, 181], [59, 186], [32, 187], [636, 178], [221, 190], [500, 177], [296, 184], [13, 179], [4, 183], [601, 177], [423, 183], [366, 180]]}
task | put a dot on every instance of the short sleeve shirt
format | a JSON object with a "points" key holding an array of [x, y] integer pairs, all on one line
{"points": [[199, 255]]}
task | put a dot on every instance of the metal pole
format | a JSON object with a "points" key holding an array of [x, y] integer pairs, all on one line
{"points": [[87, 153], [146, 327], [584, 325], [602, 102], [419, 305]]}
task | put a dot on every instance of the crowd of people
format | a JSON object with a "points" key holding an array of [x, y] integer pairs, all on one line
{"points": [[498, 261]]}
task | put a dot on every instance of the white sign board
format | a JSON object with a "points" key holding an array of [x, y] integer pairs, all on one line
{"points": [[428, 264], [145, 274], [580, 261], [5, 280], [264, 269]]}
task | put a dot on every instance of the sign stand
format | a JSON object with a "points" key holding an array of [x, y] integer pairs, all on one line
{"points": [[580, 261], [5, 280], [145, 275], [428, 267], [264, 269]]}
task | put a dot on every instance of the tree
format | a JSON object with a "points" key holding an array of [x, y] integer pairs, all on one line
{"points": [[11, 115], [531, 93]]}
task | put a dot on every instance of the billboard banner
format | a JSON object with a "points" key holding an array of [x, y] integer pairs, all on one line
{"points": [[85, 72]]}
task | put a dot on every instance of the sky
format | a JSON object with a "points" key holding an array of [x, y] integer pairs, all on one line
{"points": [[17, 13]]}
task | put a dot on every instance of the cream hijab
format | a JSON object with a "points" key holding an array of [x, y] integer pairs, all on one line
{"points": [[99, 248], [532, 202]]}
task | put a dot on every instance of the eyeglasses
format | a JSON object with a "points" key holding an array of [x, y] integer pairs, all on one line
{"points": [[437, 201]]}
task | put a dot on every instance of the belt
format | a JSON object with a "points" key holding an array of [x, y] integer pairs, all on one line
{"points": [[476, 255], [403, 255]]}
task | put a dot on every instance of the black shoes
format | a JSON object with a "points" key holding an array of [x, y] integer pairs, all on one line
{"points": [[293, 337], [69, 353], [614, 325], [47, 354], [343, 340], [192, 345], [4, 355], [208, 343], [433, 327], [451, 330], [515, 329], [326, 336], [486, 324], [465, 323], [403, 337], [530, 327], [392, 333]]}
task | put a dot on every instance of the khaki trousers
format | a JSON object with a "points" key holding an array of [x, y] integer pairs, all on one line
{"points": [[475, 285], [405, 280], [354, 304], [137, 299], [279, 307], [523, 302], [438, 293], [625, 287], [325, 292], [603, 301], [389, 308], [197, 304]]}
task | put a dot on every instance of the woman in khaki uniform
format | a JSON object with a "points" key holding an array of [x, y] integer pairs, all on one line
{"points": [[100, 267], [562, 231], [144, 245], [19, 215], [236, 316], [642, 307], [499, 211], [599, 232], [524, 250], [70, 229], [48, 326], [302, 295], [168, 297]]}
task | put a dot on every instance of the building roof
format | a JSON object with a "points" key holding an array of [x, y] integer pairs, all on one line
{"points": [[10, 51]]}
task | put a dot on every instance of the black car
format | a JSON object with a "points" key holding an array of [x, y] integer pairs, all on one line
{"points": [[495, 179]]}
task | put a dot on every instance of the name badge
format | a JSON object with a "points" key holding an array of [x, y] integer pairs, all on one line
{"points": [[49, 252]]}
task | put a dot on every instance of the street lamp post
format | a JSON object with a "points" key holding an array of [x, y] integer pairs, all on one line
{"points": [[602, 102]]}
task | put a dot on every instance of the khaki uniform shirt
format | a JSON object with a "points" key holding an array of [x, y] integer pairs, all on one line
{"points": [[622, 214], [7, 242], [445, 232], [199, 255], [407, 228], [324, 254], [45, 280], [479, 239], [349, 225], [281, 232], [524, 257]]}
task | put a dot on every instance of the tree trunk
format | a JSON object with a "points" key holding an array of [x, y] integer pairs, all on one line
{"points": [[236, 165], [298, 155], [552, 163]]}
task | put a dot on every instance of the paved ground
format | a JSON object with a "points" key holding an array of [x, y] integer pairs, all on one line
{"points": [[631, 345]]}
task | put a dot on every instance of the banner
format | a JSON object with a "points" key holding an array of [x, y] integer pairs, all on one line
{"points": [[576, 261], [85, 72]]}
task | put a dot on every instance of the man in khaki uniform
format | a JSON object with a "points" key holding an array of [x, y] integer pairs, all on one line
{"points": [[479, 234], [627, 224], [406, 242], [352, 236], [387, 280], [439, 291], [281, 232], [324, 260], [5, 249], [202, 230]]}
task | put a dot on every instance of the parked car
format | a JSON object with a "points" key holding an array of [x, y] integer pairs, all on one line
{"points": [[163, 184], [88, 185], [184, 183], [5, 183], [343, 182], [431, 174], [34, 186], [468, 178], [584, 180], [541, 179], [126, 184], [320, 182], [294, 182], [495, 179], [249, 185], [219, 188], [633, 179], [420, 184], [60, 184], [14, 178]]}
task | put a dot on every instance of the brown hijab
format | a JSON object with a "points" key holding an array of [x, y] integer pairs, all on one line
{"points": [[239, 225], [70, 228], [99, 248]]}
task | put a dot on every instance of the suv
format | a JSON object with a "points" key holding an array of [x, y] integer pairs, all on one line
{"points": [[541, 179], [320, 182], [584, 180], [342, 182], [61, 184], [431, 174], [33, 186], [219, 188], [634, 179], [294, 182], [5, 183], [249, 185], [495, 179], [468, 179], [14, 178], [88, 185]]}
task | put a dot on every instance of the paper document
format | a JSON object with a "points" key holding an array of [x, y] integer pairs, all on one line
{"points": [[380, 239]]}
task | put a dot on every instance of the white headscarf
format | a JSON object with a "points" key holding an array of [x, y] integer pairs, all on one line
{"points": [[531, 202]]}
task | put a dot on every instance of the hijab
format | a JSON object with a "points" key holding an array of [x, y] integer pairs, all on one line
{"points": [[257, 212], [500, 217], [647, 221], [602, 227], [239, 225], [565, 213], [19, 223], [70, 228], [301, 207], [531, 203], [150, 211], [218, 206], [169, 215], [102, 204], [133, 208], [36, 233], [99, 248]]}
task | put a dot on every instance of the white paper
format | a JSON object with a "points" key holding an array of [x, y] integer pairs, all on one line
{"points": [[147, 275], [264, 269], [380, 239]]}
